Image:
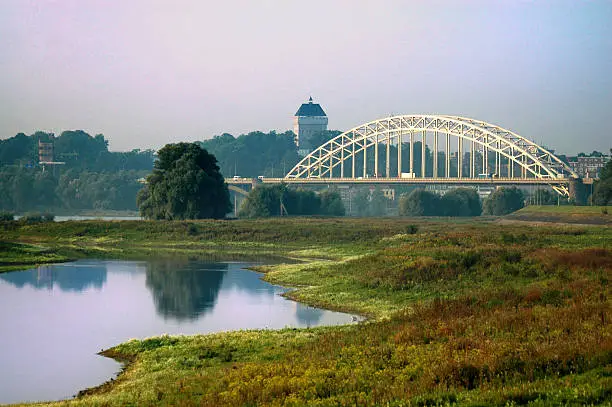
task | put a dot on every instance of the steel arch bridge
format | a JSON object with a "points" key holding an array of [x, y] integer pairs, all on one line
{"points": [[490, 151]]}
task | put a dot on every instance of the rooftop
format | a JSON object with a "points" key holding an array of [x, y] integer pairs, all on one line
{"points": [[310, 109]]}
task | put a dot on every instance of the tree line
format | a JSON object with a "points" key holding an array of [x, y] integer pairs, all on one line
{"points": [[90, 178], [94, 178], [25, 190], [257, 153], [461, 202], [277, 200], [77, 149]]}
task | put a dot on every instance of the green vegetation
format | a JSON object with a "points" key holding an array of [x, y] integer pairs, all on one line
{"points": [[456, 202], [593, 215], [367, 202], [467, 312], [504, 201], [264, 201], [185, 184], [603, 187], [17, 256], [76, 148], [254, 154], [90, 178]]}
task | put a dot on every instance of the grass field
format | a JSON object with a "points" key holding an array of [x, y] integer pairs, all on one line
{"points": [[590, 215], [567, 209], [462, 312]]}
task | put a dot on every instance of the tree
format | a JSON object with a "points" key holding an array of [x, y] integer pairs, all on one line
{"points": [[378, 203], [504, 201], [319, 138], [15, 149], [331, 203], [420, 203], [456, 202], [185, 184], [602, 195], [254, 154], [264, 201], [461, 202]]}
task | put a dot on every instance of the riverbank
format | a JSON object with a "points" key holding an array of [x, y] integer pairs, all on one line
{"points": [[462, 311]]}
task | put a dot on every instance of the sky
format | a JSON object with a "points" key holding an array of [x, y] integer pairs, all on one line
{"points": [[147, 72]]}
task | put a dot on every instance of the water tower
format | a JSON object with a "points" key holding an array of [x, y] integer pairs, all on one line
{"points": [[308, 120]]}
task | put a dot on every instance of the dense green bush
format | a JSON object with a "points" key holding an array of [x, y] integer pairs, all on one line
{"points": [[419, 203], [504, 201], [264, 201], [37, 218], [603, 189], [461, 202], [6, 216], [456, 202], [185, 184]]}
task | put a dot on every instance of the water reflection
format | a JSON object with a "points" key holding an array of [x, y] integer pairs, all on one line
{"points": [[184, 290], [102, 303], [308, 316], [77, 277]]}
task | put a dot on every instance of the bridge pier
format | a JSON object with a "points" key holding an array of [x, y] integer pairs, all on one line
{"points": [[578, 192]]}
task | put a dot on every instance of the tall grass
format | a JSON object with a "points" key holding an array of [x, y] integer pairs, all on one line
{"points": [[466, 313]]}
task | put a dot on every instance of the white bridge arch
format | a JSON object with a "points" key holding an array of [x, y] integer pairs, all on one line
{"points": [[515, 157]]}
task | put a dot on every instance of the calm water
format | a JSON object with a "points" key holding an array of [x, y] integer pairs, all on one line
{"points": [[56, 318]]}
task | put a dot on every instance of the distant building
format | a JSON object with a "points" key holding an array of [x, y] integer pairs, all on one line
{"points": [[309, 119], [588, 167], [45, 151]]}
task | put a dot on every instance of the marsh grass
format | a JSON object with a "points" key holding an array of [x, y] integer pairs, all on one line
{"points": [[595, 215], [16, 256], [465, 313]]}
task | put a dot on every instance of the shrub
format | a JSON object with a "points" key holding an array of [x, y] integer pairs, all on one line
{"points": [[37, 218], [504, 201], [192, 230], [419, 203], [412, 229], [6, 216], [456, 202]]}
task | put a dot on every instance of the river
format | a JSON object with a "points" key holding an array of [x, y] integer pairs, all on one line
{"points": [[55, 318]]}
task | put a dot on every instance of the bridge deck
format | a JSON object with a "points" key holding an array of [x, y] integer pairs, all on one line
{"points": [[405, 181]]}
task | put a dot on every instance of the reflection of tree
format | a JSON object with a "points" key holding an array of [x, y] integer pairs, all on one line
{"points": [[307, 315], [183, 289], [75, 277]]}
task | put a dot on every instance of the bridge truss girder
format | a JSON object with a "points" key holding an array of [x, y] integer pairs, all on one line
{"points": [[534, 161]]}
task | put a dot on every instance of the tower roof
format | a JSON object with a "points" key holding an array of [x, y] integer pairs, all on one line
{"points": [[310, 109]]}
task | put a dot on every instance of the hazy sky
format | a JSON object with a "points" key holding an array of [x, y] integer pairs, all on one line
{"points": [[148, 72]]}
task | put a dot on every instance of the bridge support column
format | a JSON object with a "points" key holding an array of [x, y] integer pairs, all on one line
{"points": [[447, 157], [411, 152], [376, 174], [459, 157], [353, 161], [485, 163], [365, 157], [342, 160], [472, 161], [399, 154], [423, 156], [388, 164], [435, 157], [578, 192]]}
